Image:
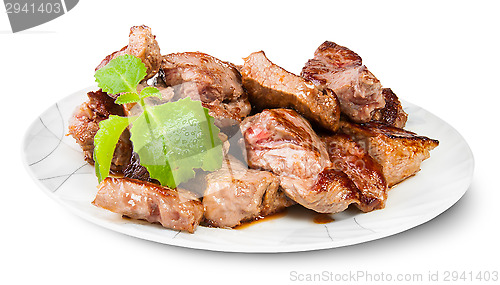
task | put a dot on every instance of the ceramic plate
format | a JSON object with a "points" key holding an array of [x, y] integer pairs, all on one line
{"points": [[56, 162]]}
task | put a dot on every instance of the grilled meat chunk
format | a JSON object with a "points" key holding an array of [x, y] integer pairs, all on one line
{"points": [[174, 209], [84, 124], [349, 157], [134, 170], [270, 86], [216, 83], [283, 142], [392, 114], [336, 67], [236, 194], [400, 152], [142, 44]]}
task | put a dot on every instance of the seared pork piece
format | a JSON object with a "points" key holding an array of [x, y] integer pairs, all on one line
{"points": [[236, 194], [84, 124], [398, 151], [349, 157], [283, 142], [392, 114], [338, 68], [174, 209], [142, 44], [270, 86], [216, 83]]}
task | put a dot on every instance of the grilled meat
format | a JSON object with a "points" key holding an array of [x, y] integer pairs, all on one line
{"points": [[134, 170], [270, 86], [84, 124], [283, 142], [236, 194], [349, 157], [174, 209], [142, 44], [336, 67], [398, 151], [392, 114], [217, 84]]}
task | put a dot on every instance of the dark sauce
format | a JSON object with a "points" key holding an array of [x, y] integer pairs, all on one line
{"points": [[323, 219], [261, 219]]}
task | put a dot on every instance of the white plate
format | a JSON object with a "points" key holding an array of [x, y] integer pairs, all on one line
{"points": [[56, 163]]}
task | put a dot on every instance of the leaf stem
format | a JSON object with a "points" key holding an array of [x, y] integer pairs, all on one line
{"points": [[146, 116]]}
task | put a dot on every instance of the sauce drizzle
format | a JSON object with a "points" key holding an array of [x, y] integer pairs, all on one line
{"points": [[260, 219], [323, 219]]}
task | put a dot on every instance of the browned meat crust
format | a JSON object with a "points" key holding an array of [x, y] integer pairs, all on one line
{"points": [[134, 170], [338, 68], [283, 142], [349, 157], [174, 209], [270, 86], [392, 114], [236, 194], [398, 151], [216, 83], [331, 191], [142, 44], [84, 124]]}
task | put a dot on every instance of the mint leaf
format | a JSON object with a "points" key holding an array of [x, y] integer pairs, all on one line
{"points": [[121, 74], [129, 97], [150, 91], [171, 139], [175, 138], [105, 142]]}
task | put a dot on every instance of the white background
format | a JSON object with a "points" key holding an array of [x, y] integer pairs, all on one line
{"points": [[443, 56]]}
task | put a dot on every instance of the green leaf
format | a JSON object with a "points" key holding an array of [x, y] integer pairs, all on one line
{"points": [[121, 74], [129, 97], [175, 138], [105, 142], [150, 91]]}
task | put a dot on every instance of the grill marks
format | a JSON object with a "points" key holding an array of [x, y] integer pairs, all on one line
{"points": [[283, 142]]}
